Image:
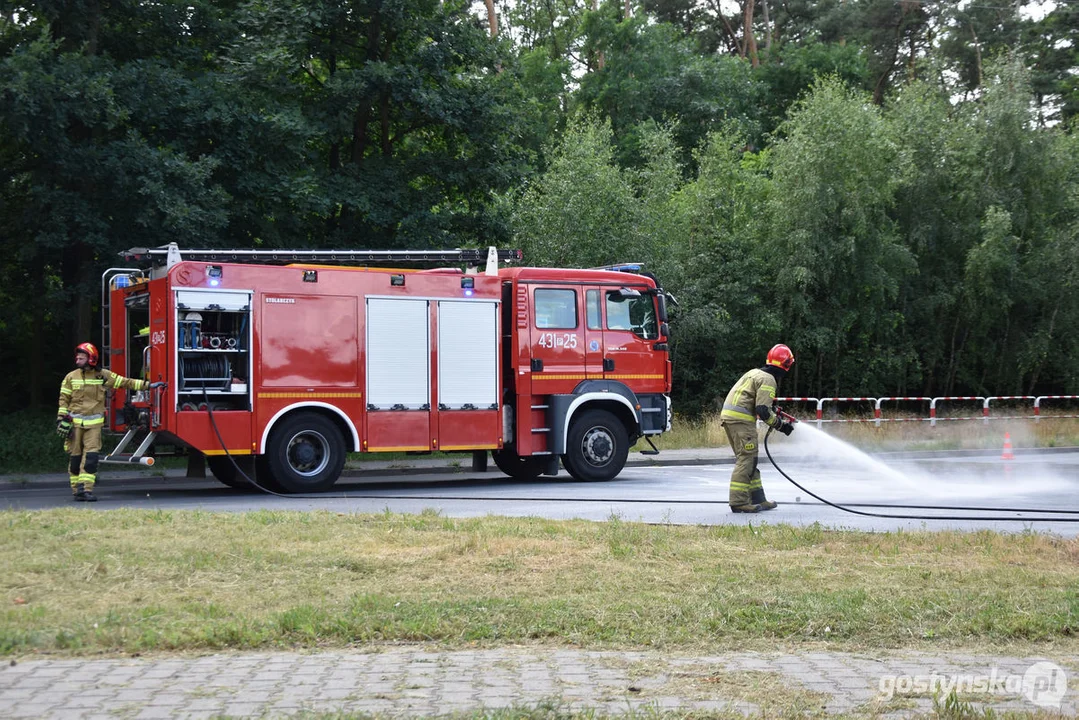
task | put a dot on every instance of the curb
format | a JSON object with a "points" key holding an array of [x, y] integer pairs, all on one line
{"points": [[28, 481]]}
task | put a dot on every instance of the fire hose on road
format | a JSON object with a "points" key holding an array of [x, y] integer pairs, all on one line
{"points": [[1072, 515]]}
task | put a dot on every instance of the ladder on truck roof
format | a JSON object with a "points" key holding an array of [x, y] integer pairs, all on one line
{"points": [[169, 255], [161, 258]]}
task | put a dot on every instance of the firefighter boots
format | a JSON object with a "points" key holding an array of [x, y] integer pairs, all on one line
{"points": [[757, 498], [81, 494], [745, 508]]}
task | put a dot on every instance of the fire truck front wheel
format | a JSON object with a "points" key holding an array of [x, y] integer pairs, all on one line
{"points": [[597, 446], [306, 453]]}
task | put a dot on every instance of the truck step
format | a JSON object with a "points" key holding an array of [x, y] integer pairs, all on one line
{"points": [[128, 459]]}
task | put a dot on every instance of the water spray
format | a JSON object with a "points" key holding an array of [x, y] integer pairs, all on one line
{"points": [[955, 508]]}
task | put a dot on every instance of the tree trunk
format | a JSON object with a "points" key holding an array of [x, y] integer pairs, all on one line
{"points": [[882, 81], [732, 38], [359, 133], [912, 66], [977, 54], [75, 259], [950, 373], [384, 124], [334, 160], [767, 27], [335, 147], [78, 27], [820, 374], [998, 379], [750, 45], [601, 60], [84, 306], [492, 18], [1049, 339], [36, 355]]}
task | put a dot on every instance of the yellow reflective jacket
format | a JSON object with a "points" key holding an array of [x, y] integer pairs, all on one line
{"points": [[82, 394], [756, 387]]}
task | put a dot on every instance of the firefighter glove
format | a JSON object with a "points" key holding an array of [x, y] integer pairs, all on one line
{"points": [[156, 385], [64, 426], [785, 427]]}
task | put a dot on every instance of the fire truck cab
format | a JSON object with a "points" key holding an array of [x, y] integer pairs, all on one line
{"points": [[279, 363]]}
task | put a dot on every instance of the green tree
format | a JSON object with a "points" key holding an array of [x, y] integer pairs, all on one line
{"points": [[583, 210], [399, 105], [1026, 176], [834, 248], [720, 271], [936, 211], [91, 161], [1050, 44], [651, 73], [792, 69]]}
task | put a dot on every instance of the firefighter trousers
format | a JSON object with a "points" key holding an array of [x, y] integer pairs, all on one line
{"points": [[83, 447], [746, 487]]}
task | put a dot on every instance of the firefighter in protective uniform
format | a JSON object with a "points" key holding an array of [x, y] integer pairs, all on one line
{"points": [[81, 416], [752, 397]]}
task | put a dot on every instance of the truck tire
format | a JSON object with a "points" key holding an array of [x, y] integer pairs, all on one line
{"points": [[520, 468], [597, 446], [225, 472], [306, 453]]}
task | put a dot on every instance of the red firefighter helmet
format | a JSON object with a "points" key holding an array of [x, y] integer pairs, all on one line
{"points": [[781, 356], [91, 353]]}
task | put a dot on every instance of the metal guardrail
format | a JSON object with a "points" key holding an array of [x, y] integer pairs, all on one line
{"points": [[878, 415]]}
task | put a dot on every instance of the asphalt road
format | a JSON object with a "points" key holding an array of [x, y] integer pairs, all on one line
{"points": [[690, 490]]}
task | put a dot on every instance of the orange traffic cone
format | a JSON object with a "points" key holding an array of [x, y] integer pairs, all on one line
{"points": [[1007, 454]]}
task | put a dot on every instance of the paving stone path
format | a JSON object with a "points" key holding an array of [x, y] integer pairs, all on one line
{"points": [[415, 682]]}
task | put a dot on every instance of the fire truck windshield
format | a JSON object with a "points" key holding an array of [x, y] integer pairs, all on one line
{"points": [[637, 314]]}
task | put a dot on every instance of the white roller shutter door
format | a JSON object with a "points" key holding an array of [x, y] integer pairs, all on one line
{"points": [[467, 354], [198, 300], [398, 354]]}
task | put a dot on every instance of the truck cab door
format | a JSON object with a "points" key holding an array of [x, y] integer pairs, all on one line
{"points": [[633, 350], [556, 335], [593, 333]]}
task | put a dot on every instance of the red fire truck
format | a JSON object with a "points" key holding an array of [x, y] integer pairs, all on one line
{"points": [[279, 363]]}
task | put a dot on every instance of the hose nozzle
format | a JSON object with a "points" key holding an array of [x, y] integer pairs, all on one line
{"points": [[785, 415]]}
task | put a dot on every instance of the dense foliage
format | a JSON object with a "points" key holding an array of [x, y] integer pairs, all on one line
{"points": [[891, 188]]}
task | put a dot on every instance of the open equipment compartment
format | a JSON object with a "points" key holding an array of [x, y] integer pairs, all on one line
{"points": [[213, 341]]}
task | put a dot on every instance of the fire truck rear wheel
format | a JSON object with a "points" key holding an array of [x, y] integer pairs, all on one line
{"points": [[597, 446], [223, 469], [520, 468], [306, 453]]}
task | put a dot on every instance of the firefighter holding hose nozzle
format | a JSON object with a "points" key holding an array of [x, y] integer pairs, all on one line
{"points": [[752, 397], [81, 416]]}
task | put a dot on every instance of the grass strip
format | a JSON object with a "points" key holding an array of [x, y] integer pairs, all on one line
{"points": [[80, 582]]}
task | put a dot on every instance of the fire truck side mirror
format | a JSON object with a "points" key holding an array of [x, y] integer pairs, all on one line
{"points": [[664, 330], [661, 301]]}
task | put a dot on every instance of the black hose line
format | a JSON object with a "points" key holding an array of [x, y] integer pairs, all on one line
{"points": [[221, 440], [236, 465], [324, 496], [983, 518]]}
